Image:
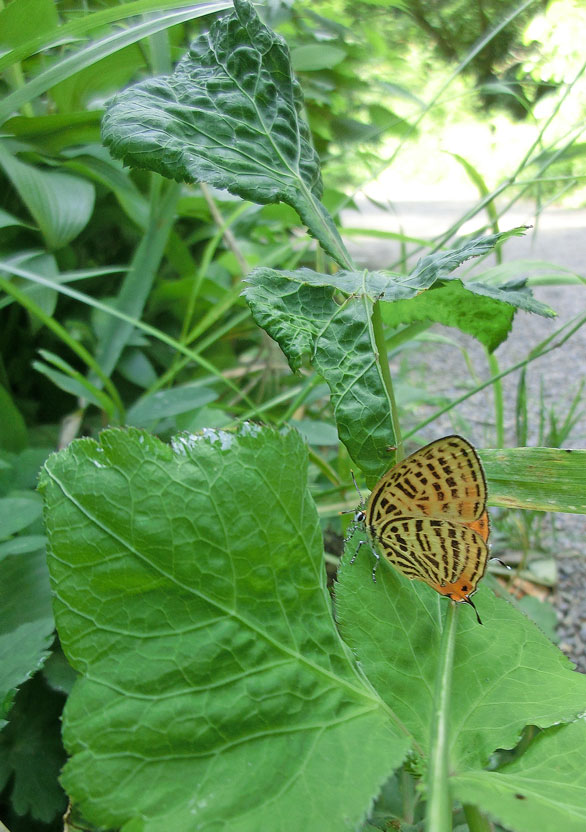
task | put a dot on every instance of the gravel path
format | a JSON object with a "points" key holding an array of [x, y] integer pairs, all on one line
{"points": [[440, 369]]}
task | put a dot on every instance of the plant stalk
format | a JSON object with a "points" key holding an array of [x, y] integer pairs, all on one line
{"points": [[498, 400], [477, 822], [438, 816], [383, 362]]}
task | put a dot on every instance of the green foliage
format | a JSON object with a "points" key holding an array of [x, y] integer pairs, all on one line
{"points": [[31, 752], [206, 680], [229, 115], [541, 789], [229, 669]]}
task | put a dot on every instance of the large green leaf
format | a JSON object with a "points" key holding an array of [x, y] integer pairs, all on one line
{"points": [[304, 319], [545, 789], [231, 115], [542, 479], [190, 594], [506, 673]]}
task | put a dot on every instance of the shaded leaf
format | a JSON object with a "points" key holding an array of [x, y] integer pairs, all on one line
{"points": [[17, 512], [13, 436], [304, 319], [32, 754], [315, 56], [203, 629], [230, 115], [166, 403], [26, 621], [52, 132], [61, 204], [544, 789]]}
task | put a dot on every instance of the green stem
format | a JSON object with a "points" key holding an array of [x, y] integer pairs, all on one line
{"points": [[311, 382], [498, 400], [317, 217], [383, 361], [407, 796], [477, 822], [438, 817]]}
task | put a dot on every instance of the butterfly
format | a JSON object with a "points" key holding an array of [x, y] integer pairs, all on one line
{"points": [[428, 517]]}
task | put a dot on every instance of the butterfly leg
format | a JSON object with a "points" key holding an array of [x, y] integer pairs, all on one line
{"points": [[376, 563], [353, 558]]}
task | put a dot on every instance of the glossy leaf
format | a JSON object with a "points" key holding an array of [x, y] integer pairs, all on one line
{"points": [[190, 595]]}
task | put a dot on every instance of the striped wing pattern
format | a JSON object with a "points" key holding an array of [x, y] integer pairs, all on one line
{"points": [[448, 556], [444, 480], [428, 516]]}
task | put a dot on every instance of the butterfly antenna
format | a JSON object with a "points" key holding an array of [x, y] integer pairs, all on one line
{"points": [[356, 487], [352, 510], [471, 602], [502, 563]]}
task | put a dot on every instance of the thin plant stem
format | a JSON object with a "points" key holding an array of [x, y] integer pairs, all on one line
{"points": [[379, 337], [438, 817], [499, 410], [477, 822]]}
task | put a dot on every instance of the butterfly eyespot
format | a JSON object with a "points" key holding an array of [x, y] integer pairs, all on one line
{"points": [[428, 516]]}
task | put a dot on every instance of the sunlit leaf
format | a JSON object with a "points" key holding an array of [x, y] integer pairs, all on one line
{"points": [[191, 596]]}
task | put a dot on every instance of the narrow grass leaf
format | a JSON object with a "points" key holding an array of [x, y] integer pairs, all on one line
{"points": [[542, 479]]}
